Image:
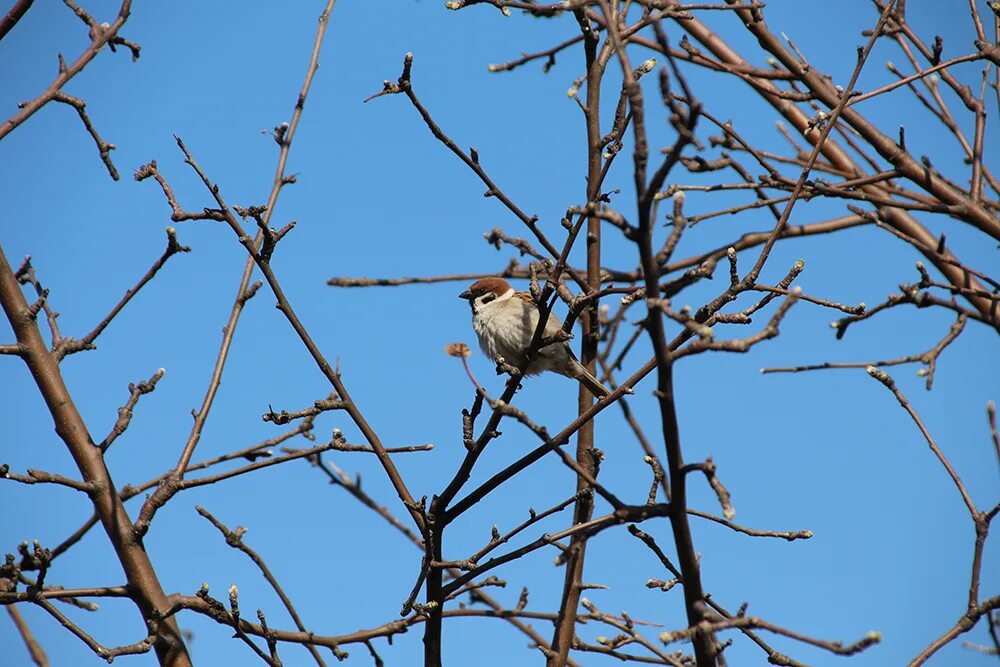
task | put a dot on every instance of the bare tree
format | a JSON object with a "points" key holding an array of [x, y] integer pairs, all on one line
{"points": [[656, 56]]}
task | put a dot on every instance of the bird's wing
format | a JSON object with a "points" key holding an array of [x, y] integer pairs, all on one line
{"points": [[530, 318], [553, 325]]}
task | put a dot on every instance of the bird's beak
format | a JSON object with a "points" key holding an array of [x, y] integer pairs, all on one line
{"points": [[465, 295]]}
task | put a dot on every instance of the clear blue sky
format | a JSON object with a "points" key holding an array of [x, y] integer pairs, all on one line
{"points": [[378, 196]]}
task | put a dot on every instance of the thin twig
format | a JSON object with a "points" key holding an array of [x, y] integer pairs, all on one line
{"points": [[234, 538], [35, 649]]}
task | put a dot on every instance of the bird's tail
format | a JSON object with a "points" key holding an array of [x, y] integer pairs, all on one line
{"points": [[575, 370]]}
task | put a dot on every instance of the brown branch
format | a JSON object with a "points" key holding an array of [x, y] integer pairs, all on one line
{"points": [[557, 440], [35, 649], [68, 345], [178, 214], [829, 121], [548, 54], [148, 594], [966, 622], [890, 384], [706, 340], [108, 654], [580, 645], [99, 36], [251, 453], [834, 153], [929, 358], [171, 485], [917, 296], [628, 634], [932, 251], [64, 594], [534, 517], [103, 147], [754, 623], [590, 527], [205, 605], [471, 159], [15, 14], [283, 135], [774, 657], [684, 121], [234, 538], [26, 276], [339, 478], [438, 513], [753, 239], [240, 633], [498, 238], [353, 487], [510, 272], [993, 623], [338, 446], [991, 416], [648, 540], [812, 299], [791, 536], [318, 408], [323, 365], [587, 456], [125, 412], [709, 470], [914, 77], [42, 477], [975, 608]]}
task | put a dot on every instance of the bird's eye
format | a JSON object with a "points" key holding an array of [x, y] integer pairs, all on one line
{"points": [[487, 298]]}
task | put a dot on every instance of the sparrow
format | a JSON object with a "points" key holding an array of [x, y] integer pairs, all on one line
{"points": [[505, 321]]}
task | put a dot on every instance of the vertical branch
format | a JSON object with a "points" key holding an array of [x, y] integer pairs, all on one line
{"points": [[432, 529], [145, 588], [284, 136], [565, 629], [288, 133], [694, 598], [976, 188]]}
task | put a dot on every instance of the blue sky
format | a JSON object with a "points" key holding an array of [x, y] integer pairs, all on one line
{"points": [[378, 196]]}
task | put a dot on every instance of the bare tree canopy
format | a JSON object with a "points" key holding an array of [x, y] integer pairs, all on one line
{"points": [[754, 247]]}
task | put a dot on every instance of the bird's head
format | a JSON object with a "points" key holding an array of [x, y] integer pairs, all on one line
{"points": [[487, 290]]}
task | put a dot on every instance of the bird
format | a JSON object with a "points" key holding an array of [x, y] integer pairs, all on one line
{"points": [[505, 321]]}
